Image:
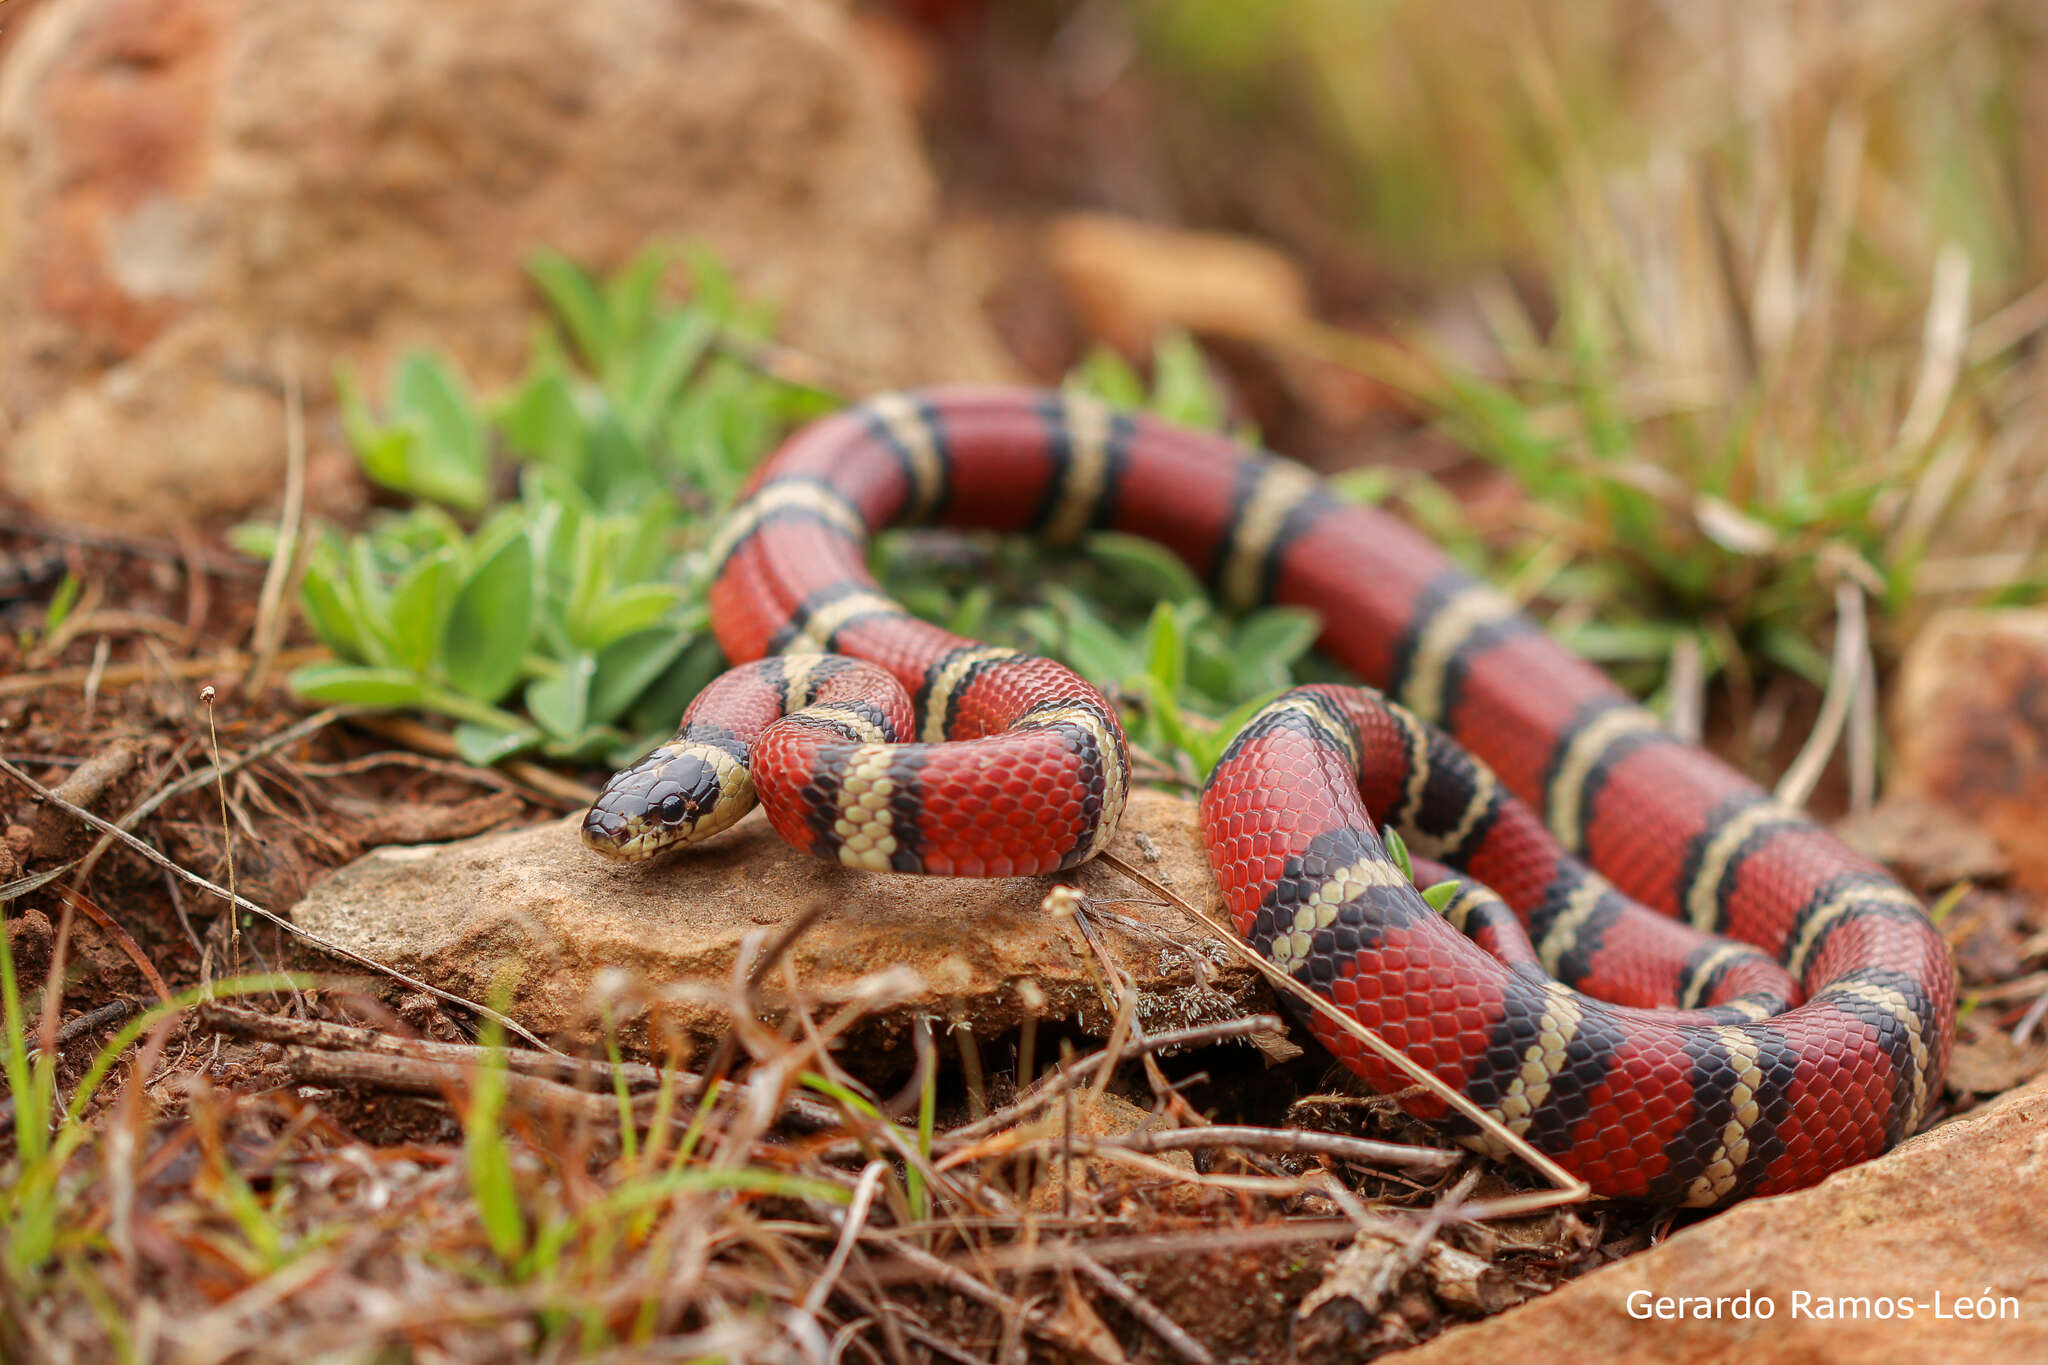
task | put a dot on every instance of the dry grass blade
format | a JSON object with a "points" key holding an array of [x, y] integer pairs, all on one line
{"points": [[99, 1016], [1845, 682], [123, 940], [267, 635], [405, 758], [244, 903], [1069, 1145], [1271, 1141], [1139, 1307], [849, 1235], [1941, 357]]}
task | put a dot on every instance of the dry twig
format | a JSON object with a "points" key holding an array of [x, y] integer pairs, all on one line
{"points": [[583, 1075], [1568, 1188]]}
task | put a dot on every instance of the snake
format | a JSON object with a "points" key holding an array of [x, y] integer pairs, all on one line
{"points": [[1678, 987]]}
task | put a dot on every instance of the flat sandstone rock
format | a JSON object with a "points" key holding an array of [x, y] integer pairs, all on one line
{"points": [[535, 912], [1822, 1274]]}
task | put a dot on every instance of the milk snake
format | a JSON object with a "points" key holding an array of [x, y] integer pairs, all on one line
{"points": [[1814, 1035]]}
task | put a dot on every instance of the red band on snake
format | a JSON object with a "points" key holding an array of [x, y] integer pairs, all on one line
{"points": [[1772, 1005]]}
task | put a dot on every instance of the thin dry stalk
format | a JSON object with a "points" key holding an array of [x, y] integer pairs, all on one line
{"points": [[1052, 1087], [267, 635], [849, 1235], [1852, 654], [1289, 1142], [419, 1076], [230, 664], [1138, 1306], [1024, 1256], [242, 902], [548, 785], [1569, 1189]]}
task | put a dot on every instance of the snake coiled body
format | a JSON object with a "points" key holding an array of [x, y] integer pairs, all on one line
{"points": [[1773, 1006]]}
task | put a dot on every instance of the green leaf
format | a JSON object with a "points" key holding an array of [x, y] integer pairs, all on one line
{"points": [[419, 609], [1397, 849], [587, 746], [1796, 653], [664, 363], [576, 302], [1108, 376], [1623, 642], [358, 423], [1266, 646], [1094, 648], [492, 1183], [628, 666], [1440, 896], [562, 703], [627, 610], [330, 609], [354, 685], [1146, 566], [618, 473], [256, 539], [968, 615], [629, 295], [484, 745], [488, 626], [449, 463], [540, 420], [1164, 710], [1182, 389], [1279, 634], [643, 549], [660, 708], [1166, 653], [545, 492], [61, 602], [372, 602], [388, 459], [586, 580], [1366, 486]]}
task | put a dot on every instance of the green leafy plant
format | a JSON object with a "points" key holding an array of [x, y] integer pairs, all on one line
{"points": [[543, 588], [567, 617]]}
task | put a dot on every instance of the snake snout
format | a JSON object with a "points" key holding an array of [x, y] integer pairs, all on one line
{"points": [[675, 795]]}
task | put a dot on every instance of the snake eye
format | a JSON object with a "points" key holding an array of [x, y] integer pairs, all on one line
{"points": [[674, 807]]}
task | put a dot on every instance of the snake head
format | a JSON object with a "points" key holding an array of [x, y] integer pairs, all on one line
{"points": [[677, 795]]}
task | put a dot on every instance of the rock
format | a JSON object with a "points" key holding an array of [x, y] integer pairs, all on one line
{"points": [[1970, 727], [1129, 281], [1955, 1212], [190, 188], [536, 911]]}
